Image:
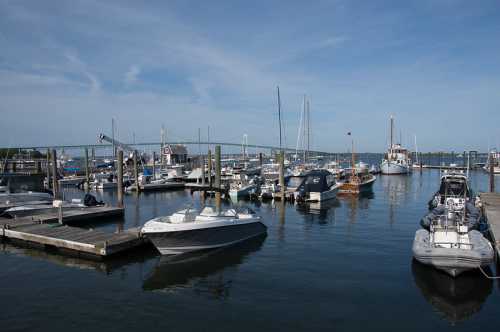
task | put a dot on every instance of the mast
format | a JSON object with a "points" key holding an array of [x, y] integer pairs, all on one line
{"points": [[416, 150], [113, 135], [353, 161], [304, 132], [299, 131], [308, 128], [279, 114]]}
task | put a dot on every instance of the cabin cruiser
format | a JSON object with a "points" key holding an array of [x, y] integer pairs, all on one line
{"points": [[449, 245], [190, 230], [454, 188], [397, 159], [335, 168], [244, 188], [313, 186]]}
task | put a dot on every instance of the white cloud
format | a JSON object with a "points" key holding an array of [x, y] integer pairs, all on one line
{"points": [[132, 74]]}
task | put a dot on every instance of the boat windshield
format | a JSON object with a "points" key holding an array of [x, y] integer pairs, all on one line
{"points": [[453, 188], [295, 181]]}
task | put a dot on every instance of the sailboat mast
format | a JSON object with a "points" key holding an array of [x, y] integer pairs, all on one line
{"points": [[353, 157], [279, 114], [308, 128]]}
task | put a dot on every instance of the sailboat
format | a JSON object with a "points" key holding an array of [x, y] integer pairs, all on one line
{"points": [[397, 159]]}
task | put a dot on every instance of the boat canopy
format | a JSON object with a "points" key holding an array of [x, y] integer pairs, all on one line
{"points": [[319, 181]]}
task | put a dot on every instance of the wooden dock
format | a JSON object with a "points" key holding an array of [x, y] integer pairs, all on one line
{"points": [[76, 215], [491, 210], [74, 240]]}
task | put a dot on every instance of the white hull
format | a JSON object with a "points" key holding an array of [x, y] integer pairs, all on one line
{"points": [[323, 196], [391, 167]]}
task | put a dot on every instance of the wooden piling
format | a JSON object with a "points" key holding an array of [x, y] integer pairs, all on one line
{"points": [[260, 159], [48, 169], [136, 172], [202, 166], [87, 171], [154, 165], [209, 164], [492, 177], [55, 182], [217, 178], [14, 166], [282, 174], [119, 168]]}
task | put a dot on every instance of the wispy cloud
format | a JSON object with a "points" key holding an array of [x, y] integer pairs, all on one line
{"points": [[132, 74]]}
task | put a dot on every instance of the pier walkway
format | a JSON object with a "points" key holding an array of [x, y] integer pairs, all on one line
{"points": [[77, 240], [491, 210]]}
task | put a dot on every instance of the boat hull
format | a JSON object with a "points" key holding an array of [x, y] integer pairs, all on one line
{"points": [[178, 242], [322, 196], [453, 261], [393, 168], [350, 188], [243, 192]]}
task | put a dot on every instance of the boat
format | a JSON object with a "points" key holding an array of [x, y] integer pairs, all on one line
{"points": [[454, 189], [471, 219], [319, 185], [34, 209], [335, 168], [493, 160], [450, 246], [244, 188], [189, 230], [357, 182], [397, 159]]}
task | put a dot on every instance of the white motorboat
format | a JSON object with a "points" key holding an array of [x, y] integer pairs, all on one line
{"points": [[189, 230], [450, 246], [454, 189]]}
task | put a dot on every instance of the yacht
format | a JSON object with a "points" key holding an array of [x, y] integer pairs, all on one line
{"points": [[189, 230], [357, 182], [397, 159]]}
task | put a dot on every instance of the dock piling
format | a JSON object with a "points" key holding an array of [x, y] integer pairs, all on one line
{"points": [[217, 178], [55, 182], [136, 172], [492, 178], [87, 171], [48, 169], [209, 164], [120, 178]]}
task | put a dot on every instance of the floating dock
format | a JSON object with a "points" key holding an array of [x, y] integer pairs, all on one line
{"points": [[491, 210], [75, 215], [74, 240]]}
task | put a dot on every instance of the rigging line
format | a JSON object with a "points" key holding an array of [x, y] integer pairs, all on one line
{"points": [[486, 275]]}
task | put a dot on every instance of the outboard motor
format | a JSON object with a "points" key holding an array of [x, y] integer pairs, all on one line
{"points": [[90, 200]]}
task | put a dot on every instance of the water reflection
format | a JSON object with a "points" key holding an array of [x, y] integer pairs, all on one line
{"points": [[324, 212], [203, 272], [456, 299], [107, 266], [355, 203]]}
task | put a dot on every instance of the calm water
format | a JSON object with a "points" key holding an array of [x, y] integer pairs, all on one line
{"points": [[345, 265]]}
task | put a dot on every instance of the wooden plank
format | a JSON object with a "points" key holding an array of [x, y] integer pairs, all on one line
{"points": [[491, 210]]}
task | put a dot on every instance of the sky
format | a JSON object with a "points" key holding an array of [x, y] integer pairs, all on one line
{"points": [[68, 67]]}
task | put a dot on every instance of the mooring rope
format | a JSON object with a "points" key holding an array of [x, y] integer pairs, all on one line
{"points": [[486, 275]]}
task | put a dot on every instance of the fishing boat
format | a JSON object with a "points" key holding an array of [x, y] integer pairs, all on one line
{"points": [[239, 190], [189, 230], [357, 182], [357, 179], [454, 189], [397, 159], [450, 246]]}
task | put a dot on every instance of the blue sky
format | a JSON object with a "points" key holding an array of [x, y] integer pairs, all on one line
{"points": [[67, 68]]}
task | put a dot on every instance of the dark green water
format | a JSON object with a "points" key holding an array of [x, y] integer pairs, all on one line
{"points": [[344, 266]]}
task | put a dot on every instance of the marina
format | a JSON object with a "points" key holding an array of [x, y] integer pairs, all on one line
{"points": [[208, 166]]}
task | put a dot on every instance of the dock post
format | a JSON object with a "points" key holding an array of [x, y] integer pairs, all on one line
{"points": [[48, 169], [202, 160], [282, 174], [136, 172], [87, 172], [209, 164], [217, 178], [154, 165], [55, 182], [14, 166], [120, 178], [60, 214], [260, 159], [492, 178]]}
